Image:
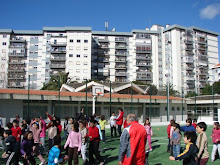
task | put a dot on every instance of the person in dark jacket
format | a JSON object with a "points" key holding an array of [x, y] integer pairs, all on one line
{"points": [[189, 154], [12, 150]]}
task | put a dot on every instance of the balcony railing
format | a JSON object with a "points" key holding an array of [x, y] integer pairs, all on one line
{"points": [[61, 44], [120, 60], [143, 78], [58, 51], [17, 54], [17, 62], [189, 68], [103, 39], [57, 66], [18, 40], [121, 80], [121, 53], [58, 58], [15, 86], [143, 51], [16, 77], [120, 47], [189, 60], [143, 64], [120, 74], [16, 69], [17, 46], [58, 35], [120, 66], [120, 39]]}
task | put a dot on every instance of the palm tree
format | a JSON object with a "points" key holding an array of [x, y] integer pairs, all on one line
{"points": [[54, 83]]}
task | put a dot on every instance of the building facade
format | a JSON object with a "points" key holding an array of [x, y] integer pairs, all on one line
{"points": [[184, 56]]}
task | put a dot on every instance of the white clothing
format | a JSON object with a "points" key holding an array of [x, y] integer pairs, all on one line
{"points": [[112, 121], [214, 149]]}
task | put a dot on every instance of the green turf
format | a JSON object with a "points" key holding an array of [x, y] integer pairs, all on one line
{"points": [[157, 156]]}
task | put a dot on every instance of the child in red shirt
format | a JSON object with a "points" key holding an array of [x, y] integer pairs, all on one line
{"points": [[93, 134], [16, 131], [194, 124]]}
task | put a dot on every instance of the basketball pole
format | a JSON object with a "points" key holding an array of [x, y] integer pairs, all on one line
{"points": [[93, 105], [110, 102]]}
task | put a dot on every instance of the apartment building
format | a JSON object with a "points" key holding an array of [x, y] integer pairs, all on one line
{"points": [[184, 56]]}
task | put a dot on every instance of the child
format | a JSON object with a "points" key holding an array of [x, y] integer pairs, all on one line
{"points": [[36, 130], [1, 121], [216, 140], [202, 144], [175, 140], [43, 149], [59, 126], [194, 123], [27, 148], [65, 127], [83, 131], [102, 123], [94, 143], [113, 124], [168, 134], [16, 132], [188, 126], [12, 151], [189, 154], [74, 142], [148, 128], [52, 132], [54, 154]]}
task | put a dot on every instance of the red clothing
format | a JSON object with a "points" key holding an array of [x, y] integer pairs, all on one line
{"points": [[94, 133], [125, 123], [119, 119], [216, 135], [60, 128], [134, 152], [15, 132], [194, 125], [168, 130]]}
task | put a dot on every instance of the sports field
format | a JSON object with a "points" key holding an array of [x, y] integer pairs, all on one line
{"points": [[158, 156]]}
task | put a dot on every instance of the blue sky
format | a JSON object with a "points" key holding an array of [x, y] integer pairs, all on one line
{"points": [[124, 15]]}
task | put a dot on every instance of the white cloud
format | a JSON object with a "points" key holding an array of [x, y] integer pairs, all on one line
{"points": [[210, 11]]}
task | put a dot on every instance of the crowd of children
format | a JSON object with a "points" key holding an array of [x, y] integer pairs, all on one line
{"points": [[26, 141]]}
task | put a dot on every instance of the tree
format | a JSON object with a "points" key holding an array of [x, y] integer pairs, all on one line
{"points": [[153, 89], [53, 84], [191, 94], [207, 89], [172, 92]]}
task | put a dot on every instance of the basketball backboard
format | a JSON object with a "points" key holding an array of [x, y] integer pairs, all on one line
{"points": [[97, 90]]}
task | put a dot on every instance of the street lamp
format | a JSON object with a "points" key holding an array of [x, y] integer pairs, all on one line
{"points": [[213, 97], [168, 83], [59, 96], [29, 95]]}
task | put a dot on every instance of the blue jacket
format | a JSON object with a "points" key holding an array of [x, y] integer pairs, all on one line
{"points": [[187, 128]]}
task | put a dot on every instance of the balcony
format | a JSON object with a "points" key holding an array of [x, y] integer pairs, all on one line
{"points": [[143, 58], [120, 67], [103, 39], [120, 53], [203, 79], [120, 74], [203, 48], [58, 52], [143, 51], [120, 39], [59, 44], [103, 60], [16, 62], [188, 42], [15, 86], [121, 80], [203, 63], [142, 64], [54, 66], [141, 71], [189, 60], [189, 68], [16, 54], [143, 78], [189, 47], [18, 40], [120, 60], [189, 53], [203, 73], [16, 77], [58, 58], [17, 46], [58, 35], [16, 69], [104, 46], [189, 78], [120, 46]]}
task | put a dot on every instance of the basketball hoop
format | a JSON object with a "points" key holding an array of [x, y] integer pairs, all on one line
{"points": [[99, 94]]}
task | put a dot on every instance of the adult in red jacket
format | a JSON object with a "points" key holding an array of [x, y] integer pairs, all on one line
{"points": [[119, 120], [132, 143]]}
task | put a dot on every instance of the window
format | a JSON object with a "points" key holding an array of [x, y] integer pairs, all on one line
{"points": [[173, 108], [85, 48], [47, 63], [70, 62], [85, 70], [165, 108], [77, 62], [77, 70], [35, 67], [85, 55], [183, 108], [71, 40], [3, 43], [3, 50], [85, 41], [78, 48], [77, 78], [178, 108], [71, 48], [85, 63], [70, 55], [78, 55], [4, 36], [78, 41]]}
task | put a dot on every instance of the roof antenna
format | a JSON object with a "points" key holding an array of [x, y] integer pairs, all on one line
{"points": [[106, 26]]}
